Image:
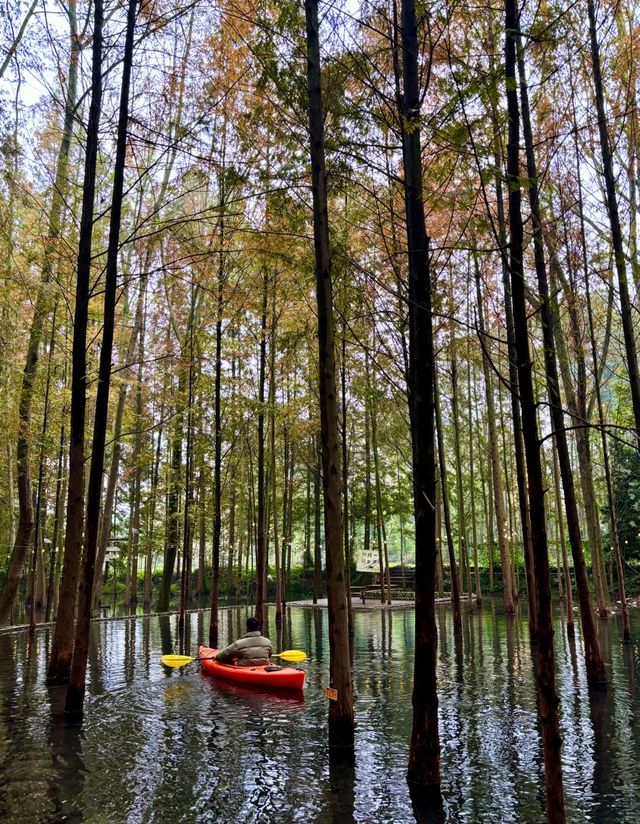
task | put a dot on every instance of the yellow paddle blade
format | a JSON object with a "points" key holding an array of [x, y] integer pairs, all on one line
{"points": [[177, 660], [291, 655]]}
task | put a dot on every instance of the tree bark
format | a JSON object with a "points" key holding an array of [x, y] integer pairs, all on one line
{"points": [[261, 548], [423, 770], [548, 696], [593, 655], [26, 518], [444, 497], [62, 645], [626, 307], [77, 678], [341, 719], [496, 473]]}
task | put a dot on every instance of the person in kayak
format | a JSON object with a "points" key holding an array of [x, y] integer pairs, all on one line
{"points": [[252, 650]]}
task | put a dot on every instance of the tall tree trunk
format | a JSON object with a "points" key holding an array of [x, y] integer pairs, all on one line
{"points": [[62, 645], [173, 502], [367, 459], [615, 542], [116, 451], [75, 690], [136, 460], [217, 424], [593, 656], [565, 561], [155, 476], [444, 490], [261, 549], [548, 696], [41, 506], [462, 519], [348, 559], [341, 719], [424, 754], [496, 473], [57, 518], [381, 532], [317, 484], [202, 528], [626, 308], [521, 472], [187, 532], [474, 522], [26, 519], [280, 560]]}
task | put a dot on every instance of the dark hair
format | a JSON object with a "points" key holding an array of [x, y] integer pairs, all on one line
{"points": [[252, 624]]}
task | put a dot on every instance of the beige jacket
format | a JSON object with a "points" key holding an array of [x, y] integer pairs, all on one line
{"points": [[252, 650]]}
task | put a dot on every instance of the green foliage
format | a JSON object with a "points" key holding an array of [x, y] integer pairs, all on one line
{"points": [[625, 471]]}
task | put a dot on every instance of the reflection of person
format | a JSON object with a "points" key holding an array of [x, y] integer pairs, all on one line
{"points": [[252, 650]]}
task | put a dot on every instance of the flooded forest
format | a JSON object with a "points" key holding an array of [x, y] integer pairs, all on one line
{"points": [[321, 319]]}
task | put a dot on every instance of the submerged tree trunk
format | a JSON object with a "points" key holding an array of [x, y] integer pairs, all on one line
{"points": [[62, 645], [423, 769], [496, 473], [444, 490], [341, 719], [75, 691], [521, 471], [548, 696], [593, 655]]}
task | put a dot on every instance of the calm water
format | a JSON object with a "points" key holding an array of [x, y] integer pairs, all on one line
{"points": [[167, 745]]}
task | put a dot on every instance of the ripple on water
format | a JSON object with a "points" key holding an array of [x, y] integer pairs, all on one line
{"points": [[163, 745]]}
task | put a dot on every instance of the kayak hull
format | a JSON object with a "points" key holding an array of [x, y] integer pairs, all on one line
{"points": [[285, 678]]}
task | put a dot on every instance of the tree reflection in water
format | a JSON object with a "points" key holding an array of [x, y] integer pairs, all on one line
{"points": [[159, 744]]}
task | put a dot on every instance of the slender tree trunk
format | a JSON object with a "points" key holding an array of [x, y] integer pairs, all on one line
{"points": [[548, 696], [615, 542], [496, 474], [187, 533], [57, 518], [155, 476], [202, 529], [62, 645], [345, 465], [41, 506], [317, 483], [341, 719], [594, 662], [18, 38], [626, 307], [261, 549], [444, 496], [116, 452], [77, 677], [462, 518], [423, 769], [26, 518], [367, 459], [563, 544], [280, 561], [521, 472], [474, 522], [173, 502], [217, 441]]}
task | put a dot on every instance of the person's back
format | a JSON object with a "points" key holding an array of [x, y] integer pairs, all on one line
{"points": [[252, 650]]}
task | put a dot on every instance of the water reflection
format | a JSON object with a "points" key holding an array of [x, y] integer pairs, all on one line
{"points": [[160, 744]]}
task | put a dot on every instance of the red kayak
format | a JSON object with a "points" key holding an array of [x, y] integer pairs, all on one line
{"points": [[266, 676]]}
